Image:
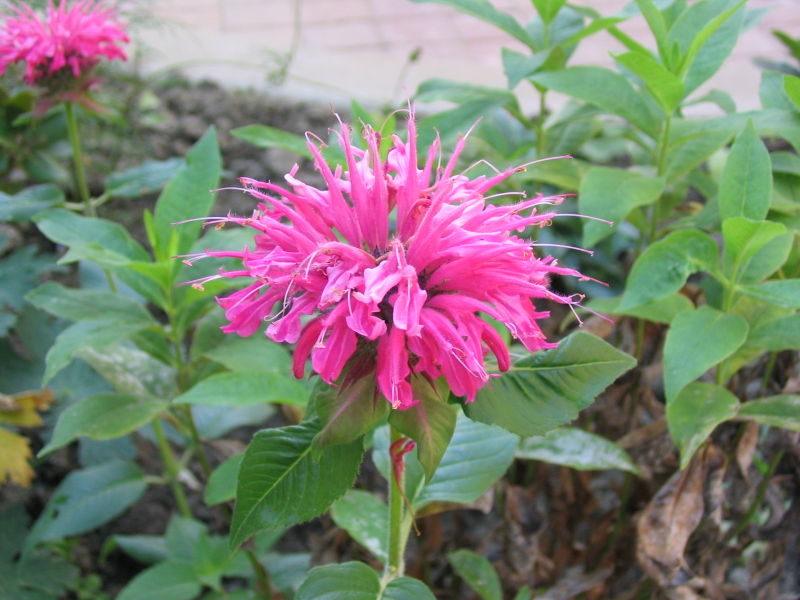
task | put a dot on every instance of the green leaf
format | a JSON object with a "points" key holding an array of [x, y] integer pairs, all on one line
{"points": [[242, 389], [754, 249], [662, 310], [434, 90], [611, 194], [578, 449], [262, 136], [221, 485], [663, 85], [478, 573], [130, 370], [430, 422], [188, 195], [791, 85], [484, 11], [604, 88], [147, 178], [364, 516], [147, 549], [696, 341], [745, 189], [664, 267], [79, 305], [706, 32], [777, 334], [99, 334], [548, 9], [88, 498], [252, 354], [771, 91], [346, 581], [28, 203], [170, 580], [518, 66], [102, 417], [281, 484], [687, 152], [407, 588], [347, 411], [778, 411], [655, 20], [784, 293], [548, 389], [478, 455], [694, 413], [69, 229]]}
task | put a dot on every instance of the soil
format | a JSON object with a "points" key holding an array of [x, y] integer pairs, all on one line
{"points": [[568, 533]]}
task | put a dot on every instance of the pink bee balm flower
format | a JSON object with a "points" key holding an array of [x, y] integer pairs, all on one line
{"points": [[70, 39], [395, 265]]}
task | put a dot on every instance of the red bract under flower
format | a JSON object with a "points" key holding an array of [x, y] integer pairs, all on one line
{"points": [[70, 39], [396, 265]]}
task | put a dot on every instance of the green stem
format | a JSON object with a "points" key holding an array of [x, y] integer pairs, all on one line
{"points": [[540, 139], [77, 159], [196, 441], [760, 493], [397, 541], [172, 469], [261, 575]]}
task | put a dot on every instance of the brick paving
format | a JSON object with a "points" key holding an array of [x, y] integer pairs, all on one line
{"points": [[359, 48]]}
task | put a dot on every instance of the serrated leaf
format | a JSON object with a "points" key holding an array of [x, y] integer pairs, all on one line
{"points": [[603, 88], [478, 573], [548, 389], [430, 423], [611, 194], [221, 485], [695, 412], [778, 411], [281, 484], [188, 195], [102, 417], [242, 389], [88, 498], [663, 268], [578, 449], [745, 189], [170, 580], [365, 517], [696, 341]]}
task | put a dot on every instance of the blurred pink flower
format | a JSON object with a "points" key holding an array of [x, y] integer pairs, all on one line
{"points": [[395, 263], [70, 39]]}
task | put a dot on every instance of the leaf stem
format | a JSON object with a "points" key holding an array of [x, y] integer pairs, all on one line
{"points": [[397, 540], [172, 469], [77, 159]]}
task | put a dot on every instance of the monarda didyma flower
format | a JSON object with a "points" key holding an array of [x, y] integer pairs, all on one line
{"points": [[395, 265], [70, 41]]}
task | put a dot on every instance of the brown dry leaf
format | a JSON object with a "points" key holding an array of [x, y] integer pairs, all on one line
{"points": [[746, 448], [574, 582], [668, 521], [14, 455], [21, 409]]}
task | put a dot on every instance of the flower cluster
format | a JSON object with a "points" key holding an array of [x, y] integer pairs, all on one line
{"points": [[71, 39], [394, 265]]}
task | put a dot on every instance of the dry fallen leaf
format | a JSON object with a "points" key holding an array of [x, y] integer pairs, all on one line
{"points": [[14, 455], [746, 448]]}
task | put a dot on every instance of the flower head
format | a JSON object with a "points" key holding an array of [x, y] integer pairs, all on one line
{"points": [[389, 269], [69, 41]]}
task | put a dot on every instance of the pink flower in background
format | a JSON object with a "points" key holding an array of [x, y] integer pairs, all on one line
{"points": [[70, 39], [389, 269]]}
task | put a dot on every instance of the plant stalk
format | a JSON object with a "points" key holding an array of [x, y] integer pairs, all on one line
{"points": [[172, 468], [77, 159], [399, 523]]}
